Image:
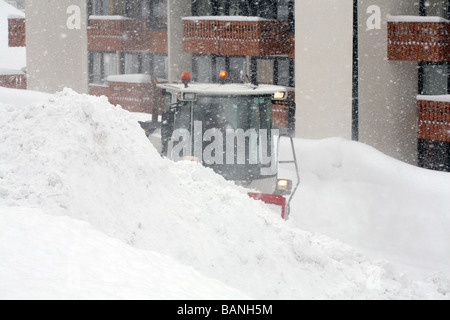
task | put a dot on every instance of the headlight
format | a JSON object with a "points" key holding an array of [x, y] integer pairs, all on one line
{"points": [[284, 186], [280, 95], [191, 159], [189, 96]]}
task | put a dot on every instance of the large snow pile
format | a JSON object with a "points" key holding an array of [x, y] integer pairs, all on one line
{"points": [[10, 58], [78, 156], [67, 259]]}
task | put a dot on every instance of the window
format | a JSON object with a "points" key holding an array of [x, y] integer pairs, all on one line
{"points": [[158, 14], [155, 65], [98, 7], [201, 66], [155, 11], [434, 79], [437, 8], [237, 64], [284, 72], [206, 68], [269, 9], [102, 65], [132, 63], [160, 66]]}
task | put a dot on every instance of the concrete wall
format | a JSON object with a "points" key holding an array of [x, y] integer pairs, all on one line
{"points": [[57, 54], [387, 89], [324, 42], [179, 61]]}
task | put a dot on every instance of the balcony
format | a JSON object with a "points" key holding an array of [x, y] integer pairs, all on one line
{"points": [[434, 118], [244, 36], [133, 92], [418, 39], [13, 79], [16, 31], [116, 33]]}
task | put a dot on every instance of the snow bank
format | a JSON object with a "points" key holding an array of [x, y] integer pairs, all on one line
{"points": [[10, 58], [382, 206], [78, 156], [62, 258], [21, 98]]}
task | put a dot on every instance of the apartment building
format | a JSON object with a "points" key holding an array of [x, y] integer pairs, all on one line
{"points": [[94, 46], [376, 71]]}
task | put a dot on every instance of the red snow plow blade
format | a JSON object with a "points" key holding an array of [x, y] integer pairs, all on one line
{"points": [[272, 199]]}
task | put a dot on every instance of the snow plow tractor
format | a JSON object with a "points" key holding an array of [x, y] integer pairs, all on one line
{"points": [[227, 127]]}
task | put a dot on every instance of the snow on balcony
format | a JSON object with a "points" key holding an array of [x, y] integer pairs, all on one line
{"points": [[14, 79], [434, 117], [414, 38], [235, 35], [117, 33]]}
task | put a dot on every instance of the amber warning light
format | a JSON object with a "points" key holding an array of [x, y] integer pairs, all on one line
{"points": [[223, 76], [186, 78]]}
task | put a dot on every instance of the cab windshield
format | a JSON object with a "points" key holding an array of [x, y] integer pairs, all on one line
{"points": [[246, 115]]}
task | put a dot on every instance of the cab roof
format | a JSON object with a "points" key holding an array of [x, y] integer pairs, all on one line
{"points": [[223, 89]]}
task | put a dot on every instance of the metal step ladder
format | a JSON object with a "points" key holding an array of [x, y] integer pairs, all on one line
{"points": [[286, 133]]}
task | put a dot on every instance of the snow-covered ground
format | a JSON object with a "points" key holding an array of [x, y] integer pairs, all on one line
{"points": [[10, 58], [88, 209], [47, 257], [70, 157], [381, 206]]}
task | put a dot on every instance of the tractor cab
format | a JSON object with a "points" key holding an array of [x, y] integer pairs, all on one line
{"points": [[227, 127]]}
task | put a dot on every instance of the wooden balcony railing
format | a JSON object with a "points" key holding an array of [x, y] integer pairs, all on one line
{"points": [[292, 45], [236, 36], [134, 93], [419, 40], [281, 110], [16, 32], [13, 80], [434, 118], [116, 33]]}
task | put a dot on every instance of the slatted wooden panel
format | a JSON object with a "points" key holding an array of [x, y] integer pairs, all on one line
{"points": [[280, 111], [157, 42], [98, 90], [125, 35], [106, 35], [434, 120], [134, 97], [18, 81], [16, 32], [251, 38], [292, 45], [419, 41]]}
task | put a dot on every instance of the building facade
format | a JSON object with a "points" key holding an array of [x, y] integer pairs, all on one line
{"points": [[86, 44], [374, 71], [364, 70]]}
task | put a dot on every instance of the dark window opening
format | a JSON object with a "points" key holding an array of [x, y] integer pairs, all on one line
{"points": [[155, 11], [434, 155], [102, 65], [268, 9]]}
